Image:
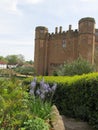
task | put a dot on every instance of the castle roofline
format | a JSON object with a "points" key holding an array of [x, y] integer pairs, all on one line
{"points": [[87, 19], [41, 28]]}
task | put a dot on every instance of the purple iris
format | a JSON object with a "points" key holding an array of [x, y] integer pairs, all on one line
{"points": [[44, 91], [54, 87], [38, 92]]}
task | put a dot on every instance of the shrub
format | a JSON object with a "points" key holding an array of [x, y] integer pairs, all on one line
{"points": [[77, 67], [13, 104], [36, 124], [25, 70], [18, 106], [78, 98]]}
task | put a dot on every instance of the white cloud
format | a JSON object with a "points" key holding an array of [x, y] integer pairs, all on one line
{"points": [[88, 0], [9, 6], [29, 1], [33, 1]]}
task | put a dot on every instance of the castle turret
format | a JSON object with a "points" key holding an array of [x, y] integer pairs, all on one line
{"points": [[87, 38], [40, 49]]}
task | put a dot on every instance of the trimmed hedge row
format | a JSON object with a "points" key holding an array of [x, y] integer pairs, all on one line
{"points": [[76, 96]]}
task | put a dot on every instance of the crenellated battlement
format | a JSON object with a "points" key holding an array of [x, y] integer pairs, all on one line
{"points": [[60, 33], [58, 30], [41, 32]]}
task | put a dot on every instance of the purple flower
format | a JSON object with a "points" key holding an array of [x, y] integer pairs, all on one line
{"points": [[42, 96], [45, 86], [44, 91], [49, 89], [31, 92], [42, 82], [32, 86], [54, 87], [33, 83], [38, 92]]}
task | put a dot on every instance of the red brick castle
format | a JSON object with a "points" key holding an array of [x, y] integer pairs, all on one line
{"points": [[51, 50]]}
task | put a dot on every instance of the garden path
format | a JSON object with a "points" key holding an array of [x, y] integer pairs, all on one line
{"points": [[72, 124]]}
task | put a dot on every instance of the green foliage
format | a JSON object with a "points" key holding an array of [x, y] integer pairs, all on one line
{"points": [[36, 124], [77, 67], [2, 59], [39, 108], [16, 107], [25, 70], [13, 105], [7, 72], [15, 59], [76, 96], [30, 62]]}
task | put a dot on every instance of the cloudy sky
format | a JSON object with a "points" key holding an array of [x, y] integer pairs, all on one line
{"points": [[19, 18]]}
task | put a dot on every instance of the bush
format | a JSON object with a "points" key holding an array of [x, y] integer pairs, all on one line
{"points": [[13, 100], [77, 67], [25, 70], [36, 124], [16, 107], [78, 98]]}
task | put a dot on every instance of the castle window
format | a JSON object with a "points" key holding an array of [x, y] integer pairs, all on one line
{"points": [[63, 43]]}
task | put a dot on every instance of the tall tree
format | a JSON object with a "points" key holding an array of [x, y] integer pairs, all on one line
{"points": [[15, 59], [3, 59]]}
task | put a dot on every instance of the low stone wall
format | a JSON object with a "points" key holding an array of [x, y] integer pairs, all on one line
{"points": [[57, 121]]}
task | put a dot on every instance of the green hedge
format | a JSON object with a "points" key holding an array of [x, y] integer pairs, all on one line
{"points": [[76, 96]]}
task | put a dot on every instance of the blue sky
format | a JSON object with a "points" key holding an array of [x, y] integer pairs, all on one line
{"points": [[19, 18]]}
